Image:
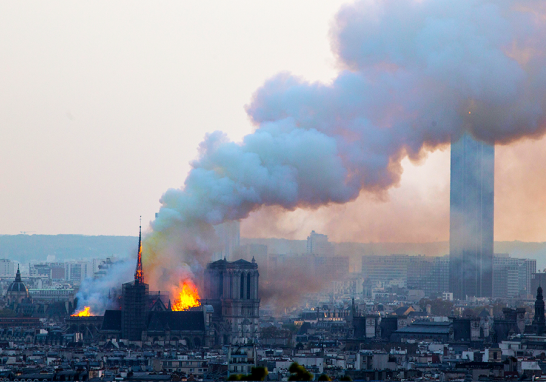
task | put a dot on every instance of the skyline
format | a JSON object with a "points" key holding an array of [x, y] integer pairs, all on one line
{"points": [[100, 125]]}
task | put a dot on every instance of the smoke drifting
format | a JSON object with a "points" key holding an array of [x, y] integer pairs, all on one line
{"points": [[95, 292], [284, 286], [417, 211], [414, 76]]}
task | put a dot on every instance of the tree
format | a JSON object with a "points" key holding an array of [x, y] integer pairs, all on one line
{"points": [[438, 306], [299, 373], [345, 378], [324, 377], [7, 313]]}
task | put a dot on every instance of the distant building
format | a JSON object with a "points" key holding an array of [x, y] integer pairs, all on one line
{"points": [[17, 292], [511, 276], [40, 270], [334, 267], [471, 218], [538, 279], [382, 269], [77, 271], [426, 273], [51, 295], [241, 359], [102, 268], [318, 244], [538, 326], [7, 268], [57, 271]]}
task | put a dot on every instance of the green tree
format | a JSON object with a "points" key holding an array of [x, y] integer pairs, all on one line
{"points": [[438, 306], [345, 378], [7, 313], [324, 377], [299, 373]]}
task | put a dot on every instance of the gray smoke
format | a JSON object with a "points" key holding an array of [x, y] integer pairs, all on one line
{"points": [[94, 292], [414, 76]]}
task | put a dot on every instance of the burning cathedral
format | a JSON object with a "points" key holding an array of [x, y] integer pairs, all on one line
{"points": [[228, 313]]}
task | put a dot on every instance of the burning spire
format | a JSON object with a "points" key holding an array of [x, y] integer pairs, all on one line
{"points": [[139, 275]]}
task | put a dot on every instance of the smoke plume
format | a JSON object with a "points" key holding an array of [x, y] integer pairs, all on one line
{"points": [[95, 292], [414, 75]]}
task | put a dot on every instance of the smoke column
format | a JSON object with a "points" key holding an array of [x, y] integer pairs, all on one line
{"points": [[95, 292], [413, 75]]}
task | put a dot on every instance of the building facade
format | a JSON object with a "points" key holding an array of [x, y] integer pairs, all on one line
{"points": [[471, 218], [7, 268], [232, 290], [382, 269], [512, 277], [318, 244], [17, 292]]}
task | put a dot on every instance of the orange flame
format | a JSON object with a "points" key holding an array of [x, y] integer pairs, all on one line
{"points": [[86, 312], [139, 276], [188, 297]]}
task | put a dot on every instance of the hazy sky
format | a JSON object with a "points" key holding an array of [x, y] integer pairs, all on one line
{"points": [[103, 105]]}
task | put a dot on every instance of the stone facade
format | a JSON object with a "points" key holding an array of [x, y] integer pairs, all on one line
{"points": [[232, 289]]}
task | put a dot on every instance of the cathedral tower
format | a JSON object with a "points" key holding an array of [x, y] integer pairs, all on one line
{"points": [[134, 301]]}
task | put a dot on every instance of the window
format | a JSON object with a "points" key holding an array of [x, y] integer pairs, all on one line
{"points": [[248, 287]]}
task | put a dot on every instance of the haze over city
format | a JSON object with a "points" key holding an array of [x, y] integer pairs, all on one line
{"points": [[274, 190], [100, 121]]}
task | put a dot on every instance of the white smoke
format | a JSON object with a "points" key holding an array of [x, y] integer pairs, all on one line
{"points": [[414, 75], [96, 292]]}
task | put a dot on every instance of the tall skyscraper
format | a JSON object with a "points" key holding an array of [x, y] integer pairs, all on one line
{"points": [[471, 218]]}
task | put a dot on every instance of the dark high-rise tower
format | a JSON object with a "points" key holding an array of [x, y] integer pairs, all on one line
{"points": [[134, 301], [539, 320], [471, 218]]}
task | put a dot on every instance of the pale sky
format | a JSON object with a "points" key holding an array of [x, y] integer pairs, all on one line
{"points": [[103, 105]]}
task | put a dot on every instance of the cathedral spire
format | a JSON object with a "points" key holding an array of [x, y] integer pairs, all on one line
{"points": [[139, 275]]}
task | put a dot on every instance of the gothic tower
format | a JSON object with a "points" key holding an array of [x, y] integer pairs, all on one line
{"points": [[539, 320], [134, 301], [232, 289]]}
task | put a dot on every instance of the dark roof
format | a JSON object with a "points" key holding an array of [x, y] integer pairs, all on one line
{"points": [[426, 328], [423, 330], [186, 320], [112, 320], [403, 310], [484, 313], [143, 376], [155, 302], [239, 264], [18, 285], [304, 328]]}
